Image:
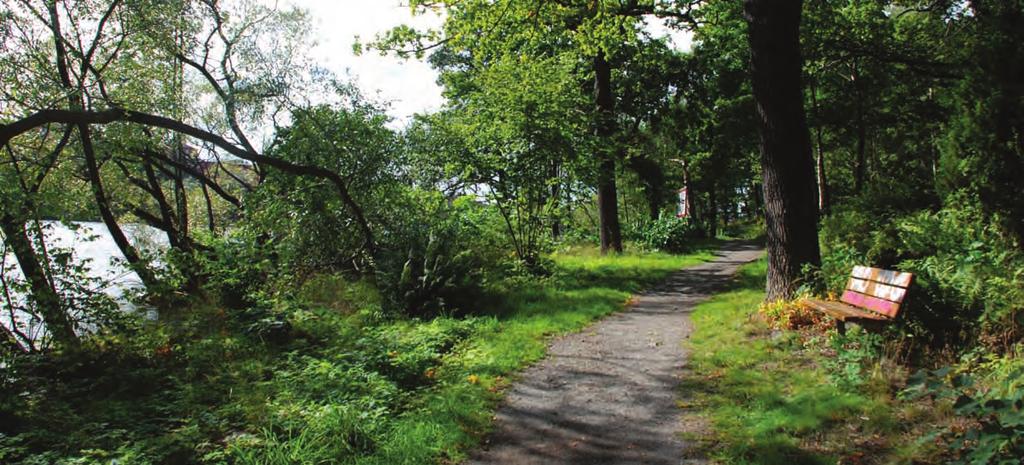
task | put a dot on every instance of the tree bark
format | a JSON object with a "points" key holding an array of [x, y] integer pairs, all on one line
{"points": [[712, 210], [860, 168], [791, 216], [75, 102], [607, 196]]}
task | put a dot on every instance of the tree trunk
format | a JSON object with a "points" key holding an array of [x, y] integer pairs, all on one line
{"points": [[47, 299], [712, 210], [607, 197], [180, 196], [210, 221], [75, 102], [555, 178], [860, 168], [92, 169], [791, 216], [824, 203]]}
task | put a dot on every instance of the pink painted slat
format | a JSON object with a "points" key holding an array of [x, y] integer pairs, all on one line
{"points": [[875, 304]]}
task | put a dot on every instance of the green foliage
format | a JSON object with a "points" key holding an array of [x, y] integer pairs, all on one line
{"points": [[303, 221], [340, 382], [234, 269], [994, 412], [963, 259], [968, 274], [426, 280], [440, 254], [855, 353], [668, 234], [764, 392]]}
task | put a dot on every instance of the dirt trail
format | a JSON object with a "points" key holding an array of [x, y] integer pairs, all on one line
{"points": [[607, 395]]}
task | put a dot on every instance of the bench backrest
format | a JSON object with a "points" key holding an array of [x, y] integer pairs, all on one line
{"points": [[877, 290]]}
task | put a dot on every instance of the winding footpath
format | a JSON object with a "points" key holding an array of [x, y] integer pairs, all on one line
{"points": [[607, 395]]}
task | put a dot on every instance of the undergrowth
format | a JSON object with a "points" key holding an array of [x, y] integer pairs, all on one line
{"points": [[326, 378], [797, 397]]}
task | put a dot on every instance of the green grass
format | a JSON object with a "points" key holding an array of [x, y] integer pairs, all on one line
{"points": [[765, 396], [585, 287], [343, 386]]}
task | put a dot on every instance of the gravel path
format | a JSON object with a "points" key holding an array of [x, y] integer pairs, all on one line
{"points": [[607, 395]]}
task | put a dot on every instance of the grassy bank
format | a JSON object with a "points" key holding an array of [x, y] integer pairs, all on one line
{"points": [[795, 397], [326, 379]]}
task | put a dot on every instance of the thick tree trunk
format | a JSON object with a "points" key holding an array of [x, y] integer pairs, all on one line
{"points": [[607, 197], [47, 300], [791, 216]]}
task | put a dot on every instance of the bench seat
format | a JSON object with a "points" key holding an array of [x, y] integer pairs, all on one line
{"points": [[841, 311]]}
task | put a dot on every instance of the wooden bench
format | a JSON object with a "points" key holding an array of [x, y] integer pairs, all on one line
{"points": [[872, 295]]}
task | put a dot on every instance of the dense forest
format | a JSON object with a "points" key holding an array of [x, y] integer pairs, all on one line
{"points": [[318, 284]]}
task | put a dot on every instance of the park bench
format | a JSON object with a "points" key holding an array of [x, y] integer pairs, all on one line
{"points": [[872, 296]]}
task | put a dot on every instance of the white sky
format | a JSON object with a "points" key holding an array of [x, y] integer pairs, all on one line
{"points": [[410, 85]]}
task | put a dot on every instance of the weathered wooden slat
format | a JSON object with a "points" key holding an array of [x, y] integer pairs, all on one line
{"points": [[890, 277], [877, 289], [841, 311], [885, 307]]}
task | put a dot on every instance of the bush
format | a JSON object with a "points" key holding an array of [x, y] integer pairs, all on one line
{"points": [[439, 256], [234, 269], [667, 234], [854, 353], [994, 433], [788, 315]]}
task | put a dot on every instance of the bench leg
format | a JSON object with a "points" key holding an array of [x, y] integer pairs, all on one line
{"points": [[841, 327]]}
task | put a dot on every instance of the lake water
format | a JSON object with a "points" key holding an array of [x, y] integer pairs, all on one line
{"points": [[90, 244]]}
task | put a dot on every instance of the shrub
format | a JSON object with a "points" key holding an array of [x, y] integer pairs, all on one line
{"points": [[994, 433], [965, 261], [784, 314], [439, 256], [667, 234], [854, 353]]}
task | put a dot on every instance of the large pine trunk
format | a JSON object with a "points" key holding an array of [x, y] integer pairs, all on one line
{"points": [[607, 196], [791, 213]]}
